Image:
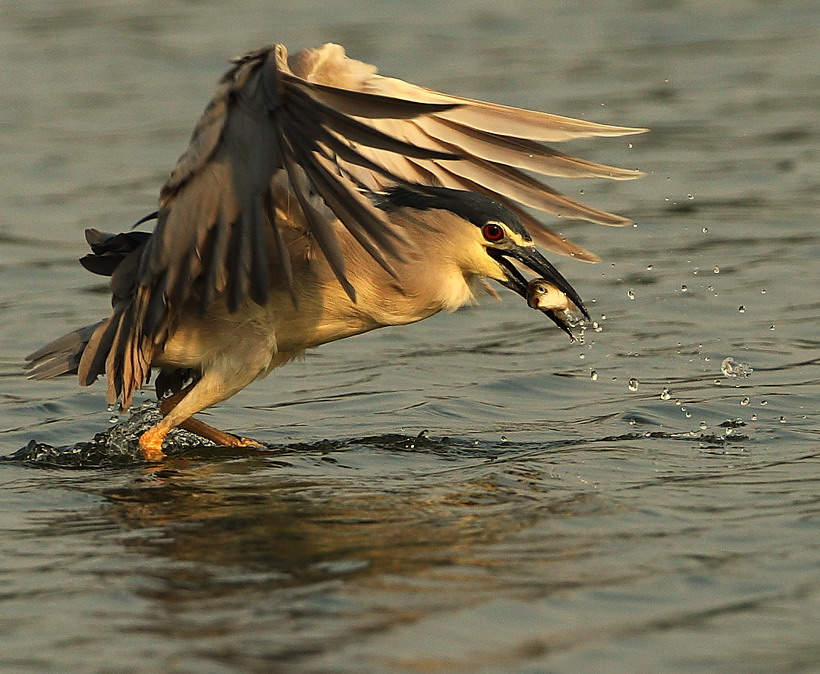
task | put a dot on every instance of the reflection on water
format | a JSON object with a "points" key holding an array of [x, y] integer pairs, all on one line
{"points": [[466, 494], [444, 559]]}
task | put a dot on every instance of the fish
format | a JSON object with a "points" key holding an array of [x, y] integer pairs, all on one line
{"points": [[547, 298]]}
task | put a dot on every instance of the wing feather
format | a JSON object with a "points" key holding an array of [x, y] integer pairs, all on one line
{"points": [[323, 128], [519, 152]]}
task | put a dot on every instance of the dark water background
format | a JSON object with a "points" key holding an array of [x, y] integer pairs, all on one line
{"points": [[549, 520]]}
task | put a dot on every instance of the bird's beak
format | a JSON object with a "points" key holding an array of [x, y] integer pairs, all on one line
{"points": [[533, 260]]}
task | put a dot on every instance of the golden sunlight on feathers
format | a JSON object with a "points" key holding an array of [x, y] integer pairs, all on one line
{"points": [[270, 220]]}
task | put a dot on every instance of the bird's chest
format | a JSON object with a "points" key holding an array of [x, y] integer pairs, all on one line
{"points": [[452, 291], [327, 314]]}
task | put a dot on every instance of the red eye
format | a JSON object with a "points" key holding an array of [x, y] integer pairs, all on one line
{"points": [[493, 232]]}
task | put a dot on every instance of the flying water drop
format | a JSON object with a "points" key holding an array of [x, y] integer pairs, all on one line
{"points": [[733, 369]]}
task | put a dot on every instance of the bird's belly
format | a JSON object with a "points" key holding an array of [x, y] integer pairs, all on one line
{"points": [[280, 330], [299, 333]]}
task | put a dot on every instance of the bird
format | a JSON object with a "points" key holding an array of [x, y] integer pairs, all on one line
{"points": [[317, 200]]}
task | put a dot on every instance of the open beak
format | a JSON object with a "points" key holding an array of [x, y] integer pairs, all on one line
{"points": [[533, 260]]}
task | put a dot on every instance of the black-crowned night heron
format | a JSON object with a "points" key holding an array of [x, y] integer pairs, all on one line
{"points": [[319, 200]]}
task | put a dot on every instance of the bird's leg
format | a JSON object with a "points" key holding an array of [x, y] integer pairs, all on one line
{"points": [[200, 428], [178, 410]]}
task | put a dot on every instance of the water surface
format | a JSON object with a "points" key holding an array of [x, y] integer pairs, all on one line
{"points": [[471, 493]]}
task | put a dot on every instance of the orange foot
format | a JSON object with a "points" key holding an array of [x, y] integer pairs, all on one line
{"points": [[151, 444], [247, 442]]}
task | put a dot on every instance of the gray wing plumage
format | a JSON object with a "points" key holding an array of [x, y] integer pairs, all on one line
{"points": [[323, 125]]}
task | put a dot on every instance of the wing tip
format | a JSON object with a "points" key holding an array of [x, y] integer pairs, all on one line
{"points": [[633, 130]]}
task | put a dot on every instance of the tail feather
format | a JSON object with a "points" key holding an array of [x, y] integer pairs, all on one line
{"points": [[62, 356], [85, 352], [92, 361]]}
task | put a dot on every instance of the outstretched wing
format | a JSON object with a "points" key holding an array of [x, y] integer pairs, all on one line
{"points": [[325, 126], [497, 147]]}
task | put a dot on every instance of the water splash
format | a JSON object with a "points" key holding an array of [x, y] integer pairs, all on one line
{"points": [[116, 446], [734, 369]]}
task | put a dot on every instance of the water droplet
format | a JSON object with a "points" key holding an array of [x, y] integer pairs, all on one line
{"points": [[729, 431], [771, 327], [633, 384], [596, 326], [582, 356], [782, 420], [702, 426], [763, 292], [684, 288], [688, 415], [424, 434], [580, 191], [631, 294], [113, 419], [593, 375], [503, 438], [665, 394], [754, 417], [629, 145], [732, 369], [649, 267], [744, 401], [764, 402], [603, 317], [705, 230], [741, 309], [690, 196], [716, 269], [631, 422]]}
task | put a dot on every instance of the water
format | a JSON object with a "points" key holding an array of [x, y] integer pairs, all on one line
{"points": [[732, 369], [472, 493]]}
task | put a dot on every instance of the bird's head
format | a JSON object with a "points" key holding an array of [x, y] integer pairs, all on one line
{"points": [[497, 242]]}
